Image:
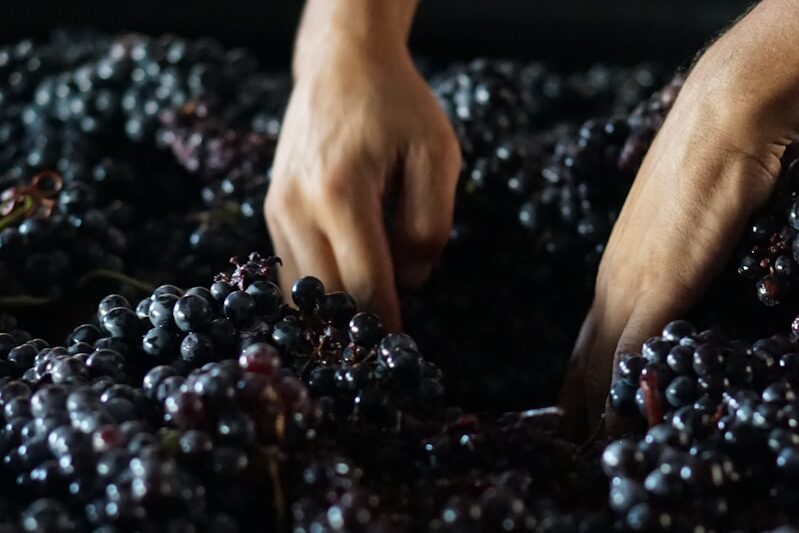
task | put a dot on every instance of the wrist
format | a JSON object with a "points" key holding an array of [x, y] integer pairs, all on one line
{"points": [[370, 30], [750, 74]]}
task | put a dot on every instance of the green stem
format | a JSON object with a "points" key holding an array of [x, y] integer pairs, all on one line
{"points": [[102, 273], [23, 300], [17, 214]]}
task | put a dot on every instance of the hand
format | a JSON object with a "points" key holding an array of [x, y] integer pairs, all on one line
{"points": [[713, 163], [362, 130]]}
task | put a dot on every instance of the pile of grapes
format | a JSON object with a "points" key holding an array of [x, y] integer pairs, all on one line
{"points": [[148, 382]]}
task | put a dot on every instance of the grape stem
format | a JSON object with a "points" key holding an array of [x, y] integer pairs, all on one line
{"points": [[23, 300], [17, 214], [279, 498], [26, 300], [102, 273]]}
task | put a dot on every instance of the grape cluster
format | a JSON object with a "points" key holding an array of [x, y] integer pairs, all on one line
{"points": [[769, 251], [229, 145], [221, 406], [509, 474], [587, 176], [89, 108], [722, 437], [124, 426], [208, 407], [43, 254]]}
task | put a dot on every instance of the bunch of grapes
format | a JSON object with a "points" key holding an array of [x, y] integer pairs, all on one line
{"points": [[88, 107], [769, 251], [723, 432], [222, 406], [184, 406]]}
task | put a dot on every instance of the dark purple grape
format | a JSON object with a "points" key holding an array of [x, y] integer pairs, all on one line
{"points": [[47, 516], [160, 343], [267, 297], [307, 293], [161, 309], [192, 313], [682, 391], [622, 458], [366, 329], [622, 398], [338, 308], [122, 323], [240, 307], [111, 301], [87, 333], [630, 367], [197, 349], [770, 290]]}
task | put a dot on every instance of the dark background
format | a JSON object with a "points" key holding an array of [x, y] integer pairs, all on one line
{"points": [[565, 32]]}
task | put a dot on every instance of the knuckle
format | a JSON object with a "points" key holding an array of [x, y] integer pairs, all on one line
{"points": [[277, 203], [333, 186], [428, 238], [446, 149]]}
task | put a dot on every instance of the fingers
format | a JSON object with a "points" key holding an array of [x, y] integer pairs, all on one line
{"points": [[584, 392], [311, 252], [288, 271], [336, 234], [572, 396], [617, 333], [302, 248], [352, 216], [609, 320], [571, 399], [423, 218], [650, 315], [646, 320]]}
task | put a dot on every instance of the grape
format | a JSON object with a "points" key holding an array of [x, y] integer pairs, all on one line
{"points": [[222, 405], [366, 329], [307, 293], [191, 313]]}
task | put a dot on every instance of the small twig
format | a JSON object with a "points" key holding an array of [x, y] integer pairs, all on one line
{"points": [[17, 214], [279, 497], [306, 367], [23, 300], [371, 355], [102, 273]]}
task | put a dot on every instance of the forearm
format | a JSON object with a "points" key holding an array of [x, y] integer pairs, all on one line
{"points": [[374, 27]]}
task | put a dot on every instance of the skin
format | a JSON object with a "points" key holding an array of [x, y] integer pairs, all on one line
{"points": [[363, 131], [713, 163]]}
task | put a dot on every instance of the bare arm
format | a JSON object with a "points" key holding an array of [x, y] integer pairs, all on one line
{"points": [[713, 163], [361, 126]]}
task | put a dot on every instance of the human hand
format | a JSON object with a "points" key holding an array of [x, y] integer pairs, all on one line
{"points": [[712, 164], [362, 131]]}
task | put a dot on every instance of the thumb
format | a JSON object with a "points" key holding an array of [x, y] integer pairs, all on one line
{"points": [[424, 210], [646, 321]]}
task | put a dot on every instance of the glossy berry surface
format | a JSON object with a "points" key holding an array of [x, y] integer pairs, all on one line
{"points": [[157, 392]]}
